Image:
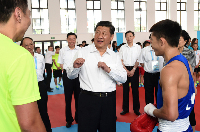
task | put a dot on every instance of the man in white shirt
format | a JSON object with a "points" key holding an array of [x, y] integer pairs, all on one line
{"points": [[129, 54], [28, 44], [48, 65], [70, 86], [37, 50], [152, 65], [99, 68]]}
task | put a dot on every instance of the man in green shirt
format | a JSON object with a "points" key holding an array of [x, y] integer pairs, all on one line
{"points": [[57, 72], [19, 90]]}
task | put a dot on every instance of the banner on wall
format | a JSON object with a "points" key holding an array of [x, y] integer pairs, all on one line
{"points": [[119, 37]]}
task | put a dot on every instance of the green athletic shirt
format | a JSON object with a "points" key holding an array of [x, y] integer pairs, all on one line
{"points": [[56, 59], [18, 82]]}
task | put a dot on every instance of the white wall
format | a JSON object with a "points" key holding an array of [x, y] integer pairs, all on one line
{"points": [[81, 15]]}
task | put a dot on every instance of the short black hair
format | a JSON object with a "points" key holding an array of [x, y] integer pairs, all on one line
{"points": [[36, 48], [193, 40], [130, 32], [168, 29], [57, 47], [145, 42], [106, 24], [25, 38], [7, 7], [50, 46], [71, 34], [84, 41], [138, 43], [185, 36]]}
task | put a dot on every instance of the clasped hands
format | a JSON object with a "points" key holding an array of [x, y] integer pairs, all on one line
{"points": [[80, 61], [130, 73]]}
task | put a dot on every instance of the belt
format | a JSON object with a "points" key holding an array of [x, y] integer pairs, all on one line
{"points": [[99, 94], [154, 73], [40, 81], [129, 66]]}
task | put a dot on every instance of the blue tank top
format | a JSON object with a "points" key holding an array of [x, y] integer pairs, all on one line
{"points": [[185, 104]]}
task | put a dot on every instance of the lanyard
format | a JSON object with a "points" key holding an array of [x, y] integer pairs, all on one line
{"points": [[196, 52], [35, 63], [152, 55]]}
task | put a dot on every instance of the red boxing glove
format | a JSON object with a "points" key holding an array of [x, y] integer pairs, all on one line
{"points": [[143, 123]]}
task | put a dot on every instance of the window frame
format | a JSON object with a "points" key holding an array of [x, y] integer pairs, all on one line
{"points": [[93, 9], [67, 9], [140, 1], [118, 27], [198, 28], [181, 9], [40, 14]]}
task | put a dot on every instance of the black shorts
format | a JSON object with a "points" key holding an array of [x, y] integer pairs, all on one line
{"points": [[197, 70], [57, 73]]}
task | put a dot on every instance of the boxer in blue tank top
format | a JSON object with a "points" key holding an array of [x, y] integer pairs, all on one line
{"points": [[176, 92], [185, 104]]}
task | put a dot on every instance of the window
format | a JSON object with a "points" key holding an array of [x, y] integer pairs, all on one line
{"points": [[40, 16], [118, 15], [182, 14], [140, 15], [93, 14], [44, 44], [196, 15], [161, 10], [68, 16]]}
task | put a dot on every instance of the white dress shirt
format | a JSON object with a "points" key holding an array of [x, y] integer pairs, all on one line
{"points": [[197, 53], [48, 57], [130, 55], [66, 56], [39, 66], [93, 78], [147, 56]]}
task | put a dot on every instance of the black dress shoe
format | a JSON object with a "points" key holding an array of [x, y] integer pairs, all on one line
{"points": [[49, 90], [68, 124], [123, 112], [137, 113]]}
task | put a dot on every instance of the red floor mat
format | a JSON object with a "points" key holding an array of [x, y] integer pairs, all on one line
{"points": [[56, 108]]}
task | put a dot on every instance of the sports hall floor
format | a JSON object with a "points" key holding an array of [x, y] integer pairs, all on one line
{"points": [[56, 110]]}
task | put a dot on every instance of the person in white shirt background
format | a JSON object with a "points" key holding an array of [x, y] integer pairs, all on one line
{"points": [[48, 65], [197, 68], [141, 71], [129, 54], [152, 65], [71, 86], [28, 44], [99, 68], [37, 50]]}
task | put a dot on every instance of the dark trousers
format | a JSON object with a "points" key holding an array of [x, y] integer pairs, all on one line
{"points": [[96, 113], [49, 74], [70, 87], [192, 118], [134, 84], [151, 81], [42, 105]]}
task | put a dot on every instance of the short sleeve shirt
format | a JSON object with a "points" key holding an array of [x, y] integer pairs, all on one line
{"points": [[56, 59], [18, 82]]}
